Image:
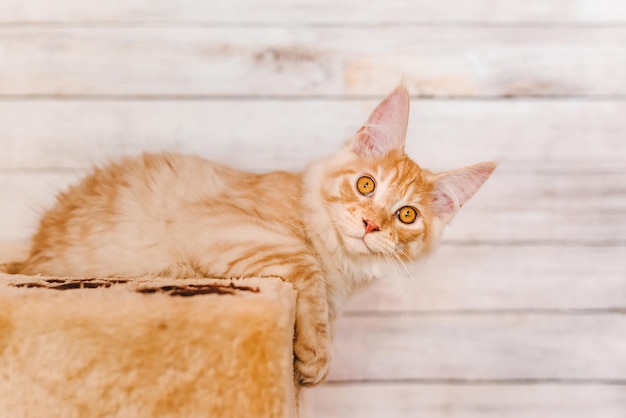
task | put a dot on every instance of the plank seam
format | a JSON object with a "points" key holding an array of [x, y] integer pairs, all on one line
{"points": [[382, 24], [534, 243], [592, 312], [482, 382], [312, 97]]}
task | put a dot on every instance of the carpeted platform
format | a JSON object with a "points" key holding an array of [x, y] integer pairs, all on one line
{"points": [[146, 348]]}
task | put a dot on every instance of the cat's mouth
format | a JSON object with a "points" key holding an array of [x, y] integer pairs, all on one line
{"points": [[357, 244]]}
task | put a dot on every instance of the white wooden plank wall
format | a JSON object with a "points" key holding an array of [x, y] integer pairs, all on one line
{"points": [[522, 311]]}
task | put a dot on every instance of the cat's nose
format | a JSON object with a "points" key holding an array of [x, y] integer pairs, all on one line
{"points": [[370, 226]]}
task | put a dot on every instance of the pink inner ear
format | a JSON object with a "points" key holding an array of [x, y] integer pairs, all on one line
{"points": [[444, 203], [453, 189], [364, 143], [386, 126], [393, 109]]}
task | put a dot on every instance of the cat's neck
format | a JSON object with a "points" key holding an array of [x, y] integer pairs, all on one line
{"points": [[346, 273]]}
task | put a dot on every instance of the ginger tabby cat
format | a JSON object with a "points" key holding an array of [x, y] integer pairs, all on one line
{"points": [[333, 228]]}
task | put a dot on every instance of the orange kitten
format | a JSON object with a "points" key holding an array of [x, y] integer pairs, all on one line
{"points": [[340, 224]]}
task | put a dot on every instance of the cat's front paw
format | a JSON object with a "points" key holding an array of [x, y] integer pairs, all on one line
{"points": [[312, 361]]}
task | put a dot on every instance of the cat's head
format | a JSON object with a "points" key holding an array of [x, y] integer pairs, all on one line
{"points": [[382, 203]]}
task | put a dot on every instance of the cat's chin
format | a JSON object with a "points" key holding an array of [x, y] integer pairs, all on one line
{"points": [[356, 245]]}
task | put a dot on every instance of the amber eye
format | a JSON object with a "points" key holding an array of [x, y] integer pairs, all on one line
{"points": [[407, 214], [365, 185]]}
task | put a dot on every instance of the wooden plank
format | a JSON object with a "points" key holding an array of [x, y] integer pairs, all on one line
{"points": [[320, 11], [479, 278], [312, 61], [566, 208], [503, 278], [480, 347], [24, 200], [465, 401], [511, 207], [282, 134]]}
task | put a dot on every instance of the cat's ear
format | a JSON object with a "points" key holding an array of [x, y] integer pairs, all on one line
{"points": [[453, 189], [385, 129]]}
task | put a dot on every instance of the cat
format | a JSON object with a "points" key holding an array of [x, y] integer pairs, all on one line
{"points": [[329, 230]]}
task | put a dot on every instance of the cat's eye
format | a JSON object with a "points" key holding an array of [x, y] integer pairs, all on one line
{"points": [[407, 214], [365, 185]]}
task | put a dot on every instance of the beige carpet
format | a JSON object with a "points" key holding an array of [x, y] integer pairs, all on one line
{"points": [[146, 348]]}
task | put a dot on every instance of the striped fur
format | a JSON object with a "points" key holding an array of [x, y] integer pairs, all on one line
{"points": [[182, 216]]}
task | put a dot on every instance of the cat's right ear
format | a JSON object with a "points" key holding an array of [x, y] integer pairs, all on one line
{"points": [[385, 129]]}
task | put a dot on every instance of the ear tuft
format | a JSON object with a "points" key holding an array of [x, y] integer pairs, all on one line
{"points": [[385, 129], [453, 189]]}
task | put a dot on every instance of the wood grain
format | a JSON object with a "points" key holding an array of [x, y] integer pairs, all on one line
{"points": [[520, 314], [321, 61], [524, 135], [320, 11], [480, 347], [485, 278], [511, 207], [503, 278], [468, 401]]}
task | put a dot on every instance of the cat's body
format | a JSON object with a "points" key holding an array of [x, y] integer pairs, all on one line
{"points": [[341, 223]]}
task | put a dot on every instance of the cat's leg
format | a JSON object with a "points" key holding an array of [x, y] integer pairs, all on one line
{"points": [[312, 334], [298, 267]]}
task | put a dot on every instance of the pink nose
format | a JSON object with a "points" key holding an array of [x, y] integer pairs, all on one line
{"points": [[370, 226]]}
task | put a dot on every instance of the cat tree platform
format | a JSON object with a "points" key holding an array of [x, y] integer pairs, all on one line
{"points": [[146, 348]]}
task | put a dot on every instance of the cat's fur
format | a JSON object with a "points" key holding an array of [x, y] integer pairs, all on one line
{"points": [[182, 216]]}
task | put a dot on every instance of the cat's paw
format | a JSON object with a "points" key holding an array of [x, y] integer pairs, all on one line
{"points": [[312, 361]]}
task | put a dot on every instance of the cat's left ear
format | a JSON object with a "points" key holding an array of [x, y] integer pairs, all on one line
{"points": [[385, 129], [453, 188]]}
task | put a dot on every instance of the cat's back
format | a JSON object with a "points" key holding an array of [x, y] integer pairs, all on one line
{"points": [[139, 186], [126, 202]]}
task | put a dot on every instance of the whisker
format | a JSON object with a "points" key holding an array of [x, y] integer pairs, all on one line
{"points": [[407, 272], [398, 282]]}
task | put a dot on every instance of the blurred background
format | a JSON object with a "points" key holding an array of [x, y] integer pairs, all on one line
{"points": [[521, 313]]}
